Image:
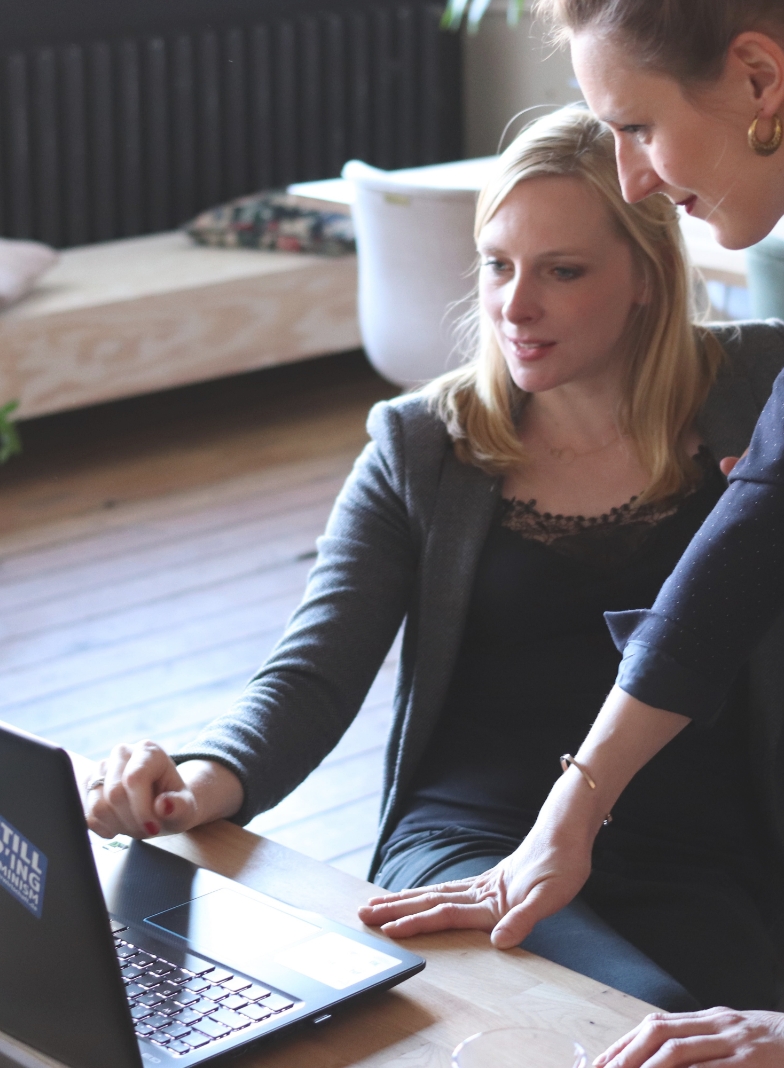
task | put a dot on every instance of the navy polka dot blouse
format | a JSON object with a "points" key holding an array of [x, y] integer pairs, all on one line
{"points": [[683, 654]]}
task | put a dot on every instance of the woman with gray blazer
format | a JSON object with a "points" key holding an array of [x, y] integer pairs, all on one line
{"points": [[497, 514]]}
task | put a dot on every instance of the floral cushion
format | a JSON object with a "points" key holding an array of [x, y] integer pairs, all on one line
{"points": [[274, 220]]}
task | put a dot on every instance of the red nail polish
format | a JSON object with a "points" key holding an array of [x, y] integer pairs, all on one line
{"points": [[168, 806], [151, 828]]}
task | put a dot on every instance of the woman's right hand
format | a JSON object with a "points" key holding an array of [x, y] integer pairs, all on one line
{"points": [[552, 864], [144, 793], [720, 1037], [728, 464]]}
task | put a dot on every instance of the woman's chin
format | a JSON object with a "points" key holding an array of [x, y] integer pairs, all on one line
{"points": [[537, 383], [739, 232]]}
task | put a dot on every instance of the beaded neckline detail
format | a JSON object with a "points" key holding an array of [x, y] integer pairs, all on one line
{"points": [[603, 540], [522, 517]]}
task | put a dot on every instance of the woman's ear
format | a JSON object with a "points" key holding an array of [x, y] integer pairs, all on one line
{"points": [[757, 61]]}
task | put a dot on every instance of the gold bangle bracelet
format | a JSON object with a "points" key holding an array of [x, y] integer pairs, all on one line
{"points": [[568, 760]]}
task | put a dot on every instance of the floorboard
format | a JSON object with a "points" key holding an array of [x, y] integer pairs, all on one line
{"points": [[356, 862], [182, 546], [120, 589], [48, 639], [332, 833], [151, 552]]}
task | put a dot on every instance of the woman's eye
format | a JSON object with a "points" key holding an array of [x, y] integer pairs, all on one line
{"points": [[567, 274], [494, 265], [638, 132]]}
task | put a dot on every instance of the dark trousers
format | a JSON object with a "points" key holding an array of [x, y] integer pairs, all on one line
{"points": [[680, 938]]}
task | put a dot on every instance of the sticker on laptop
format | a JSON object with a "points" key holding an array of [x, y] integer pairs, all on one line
{"points": [[336, 961], [22, 868]]}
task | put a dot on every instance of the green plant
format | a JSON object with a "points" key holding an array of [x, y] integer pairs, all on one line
{"points": [[474, 10], [9, 436]]}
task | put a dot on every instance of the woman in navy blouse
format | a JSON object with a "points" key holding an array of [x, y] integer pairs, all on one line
{"points": [[693, 91]]}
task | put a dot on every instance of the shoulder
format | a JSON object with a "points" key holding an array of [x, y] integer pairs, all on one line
{"points": [[755, 358], [411, 443], [411, 416], [408, 433], [755, 352]]}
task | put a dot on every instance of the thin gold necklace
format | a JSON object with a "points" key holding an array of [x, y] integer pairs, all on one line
{"points": [[568, 455]]}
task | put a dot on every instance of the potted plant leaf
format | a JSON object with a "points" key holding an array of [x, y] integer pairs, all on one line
{"points": [[473, 10], [9, 436]]}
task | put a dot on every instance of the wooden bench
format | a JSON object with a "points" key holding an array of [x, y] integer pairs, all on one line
{"points": [[127, 317]]}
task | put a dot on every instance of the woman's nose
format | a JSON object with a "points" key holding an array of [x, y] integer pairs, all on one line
{"points": [[521, 303], [637, 177]]}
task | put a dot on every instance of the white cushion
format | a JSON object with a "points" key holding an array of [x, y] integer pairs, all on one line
{"points": [[21, 265]]}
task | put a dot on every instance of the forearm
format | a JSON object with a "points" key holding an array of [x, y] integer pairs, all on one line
{"points": [[624, 737]]}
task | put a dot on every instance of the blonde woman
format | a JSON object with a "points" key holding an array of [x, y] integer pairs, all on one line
{"points": [[499, 513]]}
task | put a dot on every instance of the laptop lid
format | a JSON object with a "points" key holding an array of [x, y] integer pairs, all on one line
{"points": [[58, 969], [61, 988]]}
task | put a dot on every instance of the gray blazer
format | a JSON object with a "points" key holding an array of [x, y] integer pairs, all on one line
{"points": [[402, 543]]}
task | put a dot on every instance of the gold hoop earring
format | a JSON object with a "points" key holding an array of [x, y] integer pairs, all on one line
{"points": [[765, 148]]}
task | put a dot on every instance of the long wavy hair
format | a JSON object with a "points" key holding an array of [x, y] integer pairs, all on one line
{"points": [[671, 362]]}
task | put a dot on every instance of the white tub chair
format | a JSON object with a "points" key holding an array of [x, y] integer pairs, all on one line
{"points": [[416, 257]]}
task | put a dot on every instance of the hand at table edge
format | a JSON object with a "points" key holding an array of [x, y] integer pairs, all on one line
{"points": [[717, 1036]]}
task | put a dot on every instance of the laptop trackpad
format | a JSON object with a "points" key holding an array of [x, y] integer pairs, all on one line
{"points": [[231, 927]]}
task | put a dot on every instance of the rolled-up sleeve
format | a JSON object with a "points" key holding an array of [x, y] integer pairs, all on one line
{"points": [[684, 653]]}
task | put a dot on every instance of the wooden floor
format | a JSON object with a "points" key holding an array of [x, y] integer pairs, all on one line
{"points": [[150, 554]]}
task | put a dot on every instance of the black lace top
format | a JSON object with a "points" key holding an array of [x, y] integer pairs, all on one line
{"points": [[536, 663], [607, 541]]}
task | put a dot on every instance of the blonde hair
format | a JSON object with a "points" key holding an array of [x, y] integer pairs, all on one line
{"points": [[671, 362]]}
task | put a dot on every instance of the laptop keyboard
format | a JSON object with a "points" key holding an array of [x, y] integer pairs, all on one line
{"points": [[185, 1009]]}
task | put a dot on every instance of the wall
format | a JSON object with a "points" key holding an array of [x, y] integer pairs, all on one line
{"points": [[507, 69]]}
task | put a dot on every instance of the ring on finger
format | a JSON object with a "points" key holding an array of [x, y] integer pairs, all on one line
{"points": [[94, 784]]}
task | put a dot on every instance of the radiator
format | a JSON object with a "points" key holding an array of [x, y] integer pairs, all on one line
{"points": [[113, 137]]}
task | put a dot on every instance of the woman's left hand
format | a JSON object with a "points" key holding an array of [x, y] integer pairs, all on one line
{"points": [[538, 879], [713, 1038]]}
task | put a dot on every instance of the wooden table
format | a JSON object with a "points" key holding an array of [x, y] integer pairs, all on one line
{"points": [[466, 987]]}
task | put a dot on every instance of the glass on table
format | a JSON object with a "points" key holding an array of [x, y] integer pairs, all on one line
{"points": [[519, 1047]]}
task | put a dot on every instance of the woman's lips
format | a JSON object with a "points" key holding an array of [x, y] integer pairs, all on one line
{"points": [[531, 350], [688, 203]]}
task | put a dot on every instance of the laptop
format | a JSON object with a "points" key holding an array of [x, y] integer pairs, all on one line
{"points": [[123, 954]]}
